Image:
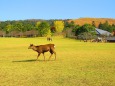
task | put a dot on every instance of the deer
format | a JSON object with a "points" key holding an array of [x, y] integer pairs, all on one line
{"points": [[43, 48], [49, 39]]}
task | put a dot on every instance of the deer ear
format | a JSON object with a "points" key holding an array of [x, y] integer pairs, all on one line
{"points": [[31, 44]]}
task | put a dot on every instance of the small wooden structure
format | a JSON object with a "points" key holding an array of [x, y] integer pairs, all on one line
{"points": [[111, 39]]}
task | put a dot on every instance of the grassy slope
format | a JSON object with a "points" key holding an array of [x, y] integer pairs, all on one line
{"points": [[82, 21], [77, 64]]}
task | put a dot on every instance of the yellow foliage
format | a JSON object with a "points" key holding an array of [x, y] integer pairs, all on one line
{"points": [[59, 25], [38, 23]]}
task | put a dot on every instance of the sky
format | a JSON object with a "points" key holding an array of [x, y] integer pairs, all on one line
{"points": [[56, 9]]}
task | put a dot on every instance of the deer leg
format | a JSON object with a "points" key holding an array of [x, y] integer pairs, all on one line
{"points": [[50, 56], [38, 56], [52, 51], [44, 56], [55, 55]]}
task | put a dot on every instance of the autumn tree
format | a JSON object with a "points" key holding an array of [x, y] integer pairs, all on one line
{"points": [[59, 26], [93, 23], [53, 29]]}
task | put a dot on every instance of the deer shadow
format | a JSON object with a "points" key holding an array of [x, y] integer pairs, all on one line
{"points": [[32, 60]]}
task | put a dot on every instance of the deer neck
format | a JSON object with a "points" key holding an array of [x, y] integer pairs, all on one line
{"points": [[34, 48]]}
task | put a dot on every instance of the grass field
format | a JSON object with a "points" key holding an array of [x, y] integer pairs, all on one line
{"points": [[77, 64]]}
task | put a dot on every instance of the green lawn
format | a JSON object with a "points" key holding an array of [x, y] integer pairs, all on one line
{"points": [[77, 64]]}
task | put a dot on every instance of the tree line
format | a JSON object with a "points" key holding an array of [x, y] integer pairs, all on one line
{"points": [[33, 28], [30, 28]]}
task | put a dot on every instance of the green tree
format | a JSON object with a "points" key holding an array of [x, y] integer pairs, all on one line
{"points": [[8, 28], [43, 28], [100, 25], [75, 28], [113, 26], [86, 28], [18, 26], [106, 26], [28, 26]]}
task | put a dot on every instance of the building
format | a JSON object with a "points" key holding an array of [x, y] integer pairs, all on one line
{"points": [[100, 32], [109, 37]]}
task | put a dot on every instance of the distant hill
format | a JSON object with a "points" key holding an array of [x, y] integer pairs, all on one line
{"points": [[82, 21]]}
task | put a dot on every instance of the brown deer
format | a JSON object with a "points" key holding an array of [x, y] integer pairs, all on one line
{"points": [[49, 39], [43, 48]]}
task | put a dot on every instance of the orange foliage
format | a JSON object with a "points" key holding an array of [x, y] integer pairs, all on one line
{"points": [[82, 21], [113, 33]]}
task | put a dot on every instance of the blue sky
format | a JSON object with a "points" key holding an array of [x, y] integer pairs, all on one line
{"points": [[56, 9]]}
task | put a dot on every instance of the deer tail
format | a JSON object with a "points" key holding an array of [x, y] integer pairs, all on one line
{"points": [[54, 46]]}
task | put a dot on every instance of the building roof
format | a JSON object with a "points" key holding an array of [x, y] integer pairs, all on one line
{"points": [[102, 32]]}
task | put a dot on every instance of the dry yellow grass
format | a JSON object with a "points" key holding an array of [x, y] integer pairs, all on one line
{"points": [[77, 64]]}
